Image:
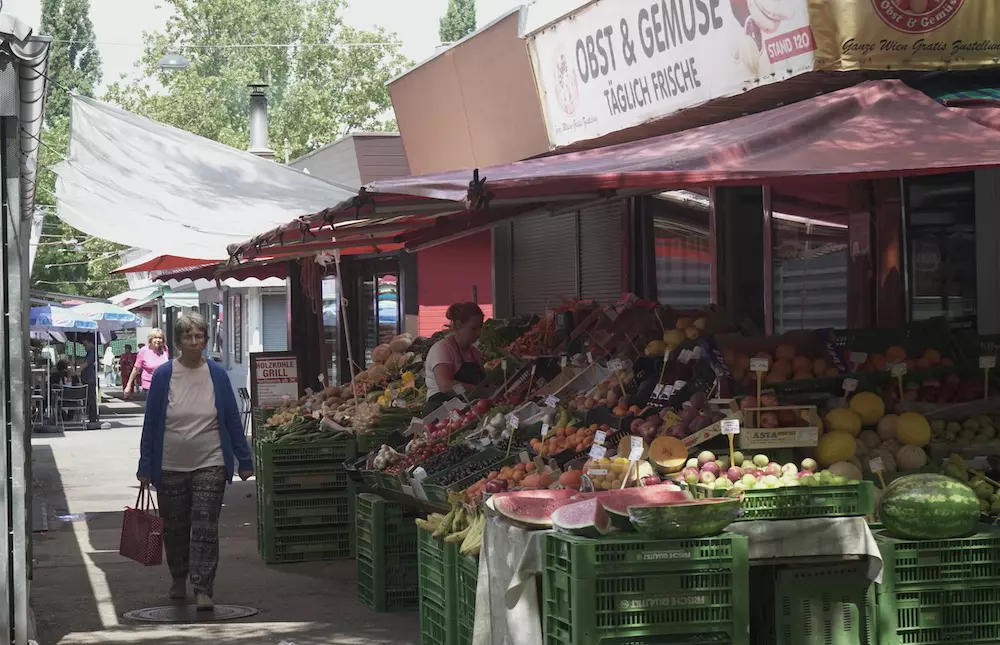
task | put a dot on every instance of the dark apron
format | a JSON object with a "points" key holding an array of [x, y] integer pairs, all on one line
{"points": [[469, 372]]}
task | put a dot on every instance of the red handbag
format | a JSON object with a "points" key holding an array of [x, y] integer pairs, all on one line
{"points": [[142, 531]]}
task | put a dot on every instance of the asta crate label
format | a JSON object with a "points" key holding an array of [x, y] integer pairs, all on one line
{"points": [[662, 556], [779, 437], [662, 601], [274, 378]]}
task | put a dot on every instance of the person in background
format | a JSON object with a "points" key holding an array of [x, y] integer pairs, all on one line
{"points": [[453, 360], [190, 435], [108, 363], [126, 364], [148, 359], [88, 376]]}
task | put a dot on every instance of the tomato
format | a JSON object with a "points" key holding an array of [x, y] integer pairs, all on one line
{"points": [[482, 406]]}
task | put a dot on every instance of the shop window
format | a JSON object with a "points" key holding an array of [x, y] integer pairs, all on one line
{"points": [[941, 247], [809, 256], [331, 316], [683, 257], [212, 313]]}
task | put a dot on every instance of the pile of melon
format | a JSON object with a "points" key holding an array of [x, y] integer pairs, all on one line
{"points": [[862, 431]]}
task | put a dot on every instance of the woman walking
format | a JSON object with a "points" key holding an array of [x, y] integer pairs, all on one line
{"points": [[148, 359], [191, 433]]}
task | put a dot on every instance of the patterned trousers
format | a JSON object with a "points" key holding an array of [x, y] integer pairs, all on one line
{"points": [[190, 504]]}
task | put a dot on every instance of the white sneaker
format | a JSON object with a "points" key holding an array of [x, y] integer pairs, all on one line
{"points": [[203, 601]]}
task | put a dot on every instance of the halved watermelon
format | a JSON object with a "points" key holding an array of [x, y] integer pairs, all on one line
{"points": [[616, 502], [586, 519], [531, 509], [688, 519]]}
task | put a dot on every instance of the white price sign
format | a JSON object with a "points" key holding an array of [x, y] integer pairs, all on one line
{"points": [[859, 358], [551, 401], [459, 389], [454, 415], [599, 437], [598, 472], [616, 365], [562, 362], [545, 430], [850, 384], [678, 385], [987, 362], [590, 357], [685, 356], [657, 391], [730, 426], [513, 421], [897, 369], [503, 364], [875, 464], [596, 452], [759, 364], [636, 453]]}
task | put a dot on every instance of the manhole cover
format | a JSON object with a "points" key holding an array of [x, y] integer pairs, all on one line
{"points": [[189, 614]]}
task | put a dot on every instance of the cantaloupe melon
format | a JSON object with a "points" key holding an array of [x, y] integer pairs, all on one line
{"points": [[835, 446], [870, 438], [668, 454], [843, 420], [887, 427], [911, 458], [845, 469], [913, 429], [869, 407]]}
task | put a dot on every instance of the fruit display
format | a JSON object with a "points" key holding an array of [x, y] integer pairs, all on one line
{"points": [[531, 509], [685, 519], [611, 473], [569, 438], [786, 361], [586, 518], [759, 472], [608, 393], [298, 429], [617, 501], [521, 476], [459, 526], [986, 490], [686, 328], [929, 507], [417, 452]]}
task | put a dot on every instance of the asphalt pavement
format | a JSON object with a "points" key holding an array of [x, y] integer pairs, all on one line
{"points": [[81, 587]]}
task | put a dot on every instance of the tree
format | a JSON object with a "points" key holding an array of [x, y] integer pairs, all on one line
{"points": [[68, 261], [318, 91], [458, 21], [74, 61]]}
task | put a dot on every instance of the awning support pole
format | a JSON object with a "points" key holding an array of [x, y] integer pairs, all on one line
{"points": [[347, 327]]}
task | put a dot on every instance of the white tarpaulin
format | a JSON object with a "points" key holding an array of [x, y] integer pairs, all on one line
{"points": [[137, 182]]}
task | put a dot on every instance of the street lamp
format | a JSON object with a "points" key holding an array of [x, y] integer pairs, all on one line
{"points": [[172, 62]]}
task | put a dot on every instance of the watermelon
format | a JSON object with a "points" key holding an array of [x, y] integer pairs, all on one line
{"points": [[586, 519], [687, 519], [925, 506], [616, 502], [531, 509]]}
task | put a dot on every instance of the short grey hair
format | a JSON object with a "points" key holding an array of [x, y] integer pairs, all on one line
{"points": [[188, 323]]}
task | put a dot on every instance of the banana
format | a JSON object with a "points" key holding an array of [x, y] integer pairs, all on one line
{"points": [[474, 539], [445, 525], [458, 537]]}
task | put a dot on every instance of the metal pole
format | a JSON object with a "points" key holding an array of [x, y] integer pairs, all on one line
{"points": [[343, 318]]}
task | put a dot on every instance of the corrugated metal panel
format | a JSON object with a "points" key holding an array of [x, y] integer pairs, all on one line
{"points": [[811, 293], [274, 324], [545, 252], [380, 157], [602, 236]]}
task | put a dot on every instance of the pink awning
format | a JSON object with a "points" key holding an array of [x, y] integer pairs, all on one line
{"points": [[877, 128], [162, 263]]}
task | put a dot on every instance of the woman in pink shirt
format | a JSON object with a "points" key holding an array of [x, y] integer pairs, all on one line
{"points": [[147, 360]]}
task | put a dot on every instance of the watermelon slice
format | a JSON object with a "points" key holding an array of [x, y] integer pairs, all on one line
{"points": [[688, 519], [586, 519], [616, 502], [531, 509]]}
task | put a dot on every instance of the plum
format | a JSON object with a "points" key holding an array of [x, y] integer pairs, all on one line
{"points": [[698, 400]]}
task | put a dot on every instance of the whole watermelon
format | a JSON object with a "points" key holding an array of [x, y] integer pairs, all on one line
{"points": [[926, 506]]}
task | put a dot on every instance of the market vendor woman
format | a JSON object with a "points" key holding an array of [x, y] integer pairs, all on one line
{"points": [[453, 360]]}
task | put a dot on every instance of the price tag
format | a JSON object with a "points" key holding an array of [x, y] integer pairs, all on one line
{"points": [[758, 364], [897, 369], [697, 352], [503, 364], [454, 415], [875, 464], [850, 384], [513, 421], [859, 358], [668, 391], [322, 378], [987, 362], [598, 472], [545, 430], [399, 403], [563, 361], [730, 426], [590, 357], [678, 385], [551, 401], [596, 452], [636, 452], [599, 437], [616, 365], [658, 390], [459, 389], [685, 356]]}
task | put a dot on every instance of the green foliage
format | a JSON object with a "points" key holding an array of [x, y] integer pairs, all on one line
{"points": [[458, 21], [317, 94], [74, 65]]}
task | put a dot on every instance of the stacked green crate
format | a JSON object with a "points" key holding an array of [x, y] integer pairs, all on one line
{"points": [[305, 511], [940, 591], [817, 604], [386, 545], [631, 589], [438, 562], [466, 581]]}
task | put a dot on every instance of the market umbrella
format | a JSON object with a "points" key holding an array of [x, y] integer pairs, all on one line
{"points": [[51, 318], [107, 316]]}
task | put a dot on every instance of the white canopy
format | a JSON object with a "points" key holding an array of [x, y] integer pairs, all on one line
{"points": [[137, 182]]}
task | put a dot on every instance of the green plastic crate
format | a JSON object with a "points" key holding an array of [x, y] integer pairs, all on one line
{"points": [[302, 510], [305, 545], [370, 478], [383, 528], [927, 564], [300, 478], [619, 554], [952, 614], [467, 581], [697, 605], [388, 588], [800, 502], [436, 626], [438, 562], [369, 442], [329, 450], [829, 604]]}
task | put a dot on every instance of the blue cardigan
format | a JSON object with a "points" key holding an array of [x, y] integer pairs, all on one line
{"points": [[234, 441]]}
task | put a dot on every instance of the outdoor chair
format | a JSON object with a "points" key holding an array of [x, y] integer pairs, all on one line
{"points": [[73, 404], [246, 410]]}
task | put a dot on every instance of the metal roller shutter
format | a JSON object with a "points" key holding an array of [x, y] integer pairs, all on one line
{"points": [[274, 324], [544, 267], [602, 236]]}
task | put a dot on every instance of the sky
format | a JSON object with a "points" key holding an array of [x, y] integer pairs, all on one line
{"points": [[119, 24]]}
